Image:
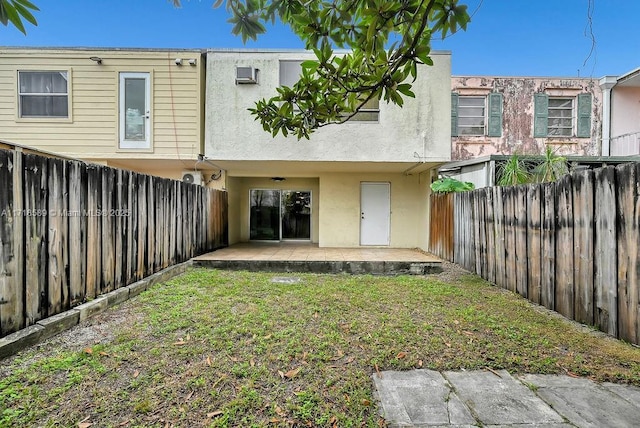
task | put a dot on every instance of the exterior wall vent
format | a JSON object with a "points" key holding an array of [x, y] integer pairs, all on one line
{"points": [[246, 75]]}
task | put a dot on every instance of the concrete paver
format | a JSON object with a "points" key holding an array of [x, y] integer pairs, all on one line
{"points": [[585, 403], [426, 398], [501, 399]]}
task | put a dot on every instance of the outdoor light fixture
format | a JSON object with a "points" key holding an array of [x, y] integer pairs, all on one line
{"points": [[96, 59], [278, 178], [193, 62], [178, 61]]}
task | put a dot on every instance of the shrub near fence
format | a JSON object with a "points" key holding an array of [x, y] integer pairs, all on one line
{"points": [[70, 231], [571, 246]]}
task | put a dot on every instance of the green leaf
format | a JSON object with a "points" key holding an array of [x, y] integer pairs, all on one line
{"points": [[405, 89], [25, 14]]}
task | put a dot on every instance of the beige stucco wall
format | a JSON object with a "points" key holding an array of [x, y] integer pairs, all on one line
{"points": [[340, 209], [335, 207], [518, 114], [418, 131], [625, 110], [91, 132]]}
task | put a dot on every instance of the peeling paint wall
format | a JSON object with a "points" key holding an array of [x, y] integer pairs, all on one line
{"points": [[518, 115]]}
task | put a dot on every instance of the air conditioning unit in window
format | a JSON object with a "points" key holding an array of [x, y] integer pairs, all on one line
{"points": [[192, 177], [246, 75]]}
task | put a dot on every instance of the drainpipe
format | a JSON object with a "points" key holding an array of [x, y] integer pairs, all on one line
{"points": [[606, 84]]}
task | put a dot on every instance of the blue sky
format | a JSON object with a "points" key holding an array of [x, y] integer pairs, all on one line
{"points": [[505, 37]]}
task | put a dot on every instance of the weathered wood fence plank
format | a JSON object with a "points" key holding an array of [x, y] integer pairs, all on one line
{"points": [[510, 238], [36, 220], [57, 237], [499, 232], [11, 313], [583, 208], [605, 252], [534, 242], [628, 213], [547, 295], [521, 244]]}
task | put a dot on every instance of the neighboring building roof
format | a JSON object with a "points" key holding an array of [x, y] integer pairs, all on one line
{"points": [[579, 159], [87, 48]]}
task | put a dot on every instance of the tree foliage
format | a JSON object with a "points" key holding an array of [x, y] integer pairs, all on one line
{"points": [[14, 11], [385, 41]]}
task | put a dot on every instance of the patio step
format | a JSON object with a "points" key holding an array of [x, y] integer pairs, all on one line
{"points": [[311, 266]]}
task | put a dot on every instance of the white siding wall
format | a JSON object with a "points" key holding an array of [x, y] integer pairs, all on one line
{"points": [[92, 130]]}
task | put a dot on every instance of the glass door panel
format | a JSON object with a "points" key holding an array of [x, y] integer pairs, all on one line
{"points": [[264, 217], [135, 125], [296, 215]]}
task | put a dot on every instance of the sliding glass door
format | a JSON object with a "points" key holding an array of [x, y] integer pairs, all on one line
{"points": [[277, 215]]}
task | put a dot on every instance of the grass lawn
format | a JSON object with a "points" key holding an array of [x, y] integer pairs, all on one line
{"points": [[218, 348]]}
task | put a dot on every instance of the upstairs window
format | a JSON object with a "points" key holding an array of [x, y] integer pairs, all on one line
{"points": [[476, 115], [562, 116], [471, 115], [290, 72], [43, 94]]}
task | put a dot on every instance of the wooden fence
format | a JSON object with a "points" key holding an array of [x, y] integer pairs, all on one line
{"points": [[70, 231], [571, 246]]}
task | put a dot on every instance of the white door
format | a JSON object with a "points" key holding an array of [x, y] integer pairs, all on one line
{"points": [[135, 113], [375, 213]]}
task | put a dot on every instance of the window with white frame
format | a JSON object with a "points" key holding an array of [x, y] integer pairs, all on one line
{"points": [[290, 71], [471, 115], [43, 94], [560, 117]]}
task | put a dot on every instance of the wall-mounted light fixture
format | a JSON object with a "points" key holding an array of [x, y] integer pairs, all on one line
{"points": [[178, 61], [278, 178], [193, 62], [96, 59]]}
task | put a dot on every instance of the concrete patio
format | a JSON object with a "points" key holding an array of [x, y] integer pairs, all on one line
{"points": [[304, 257]]}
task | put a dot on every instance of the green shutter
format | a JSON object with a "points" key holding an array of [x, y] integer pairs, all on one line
{"points": [[495, 115], [454, 114], [584, 115], [541, 115]]}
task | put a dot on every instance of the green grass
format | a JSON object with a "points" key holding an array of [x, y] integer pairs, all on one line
{"points": [[220, 349]]}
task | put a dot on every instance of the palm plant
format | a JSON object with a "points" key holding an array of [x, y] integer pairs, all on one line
{"points": [[513, 171], [552, 167]]}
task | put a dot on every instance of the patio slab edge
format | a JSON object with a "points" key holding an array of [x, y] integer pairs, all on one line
{"points": [[55, 324], [355, 267]]}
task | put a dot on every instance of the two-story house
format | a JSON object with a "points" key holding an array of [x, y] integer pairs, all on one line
{"points": [[362, 183], [139, 109], [621, 114]]}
